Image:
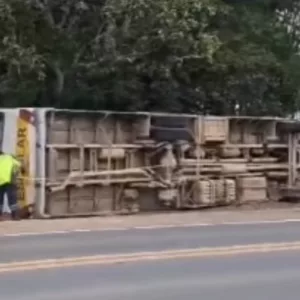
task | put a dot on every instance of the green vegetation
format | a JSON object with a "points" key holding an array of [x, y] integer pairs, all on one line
{"points": [[196, 56]]}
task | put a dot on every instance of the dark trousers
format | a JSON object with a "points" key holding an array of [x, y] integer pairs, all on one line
{"points": [[10, 190]]}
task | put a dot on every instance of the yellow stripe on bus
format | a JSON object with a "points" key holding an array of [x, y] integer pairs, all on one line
{"points": [[23, 155]]}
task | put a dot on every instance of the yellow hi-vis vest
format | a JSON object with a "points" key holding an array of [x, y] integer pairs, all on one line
{"points": [[8, 165]]}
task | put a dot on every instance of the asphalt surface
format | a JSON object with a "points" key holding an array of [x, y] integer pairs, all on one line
{"points": [[139, 240], [259, 277]]}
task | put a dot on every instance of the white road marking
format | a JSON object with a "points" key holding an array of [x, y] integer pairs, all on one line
{"points": [[150, 227]]}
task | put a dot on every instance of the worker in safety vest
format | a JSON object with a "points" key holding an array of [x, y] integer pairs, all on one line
{"points": [[9, 169]]}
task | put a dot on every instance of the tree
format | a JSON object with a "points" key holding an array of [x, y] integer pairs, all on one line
{"points": [[199, 56], [288, 15], [43, 40], [21, 66], [149, 53], [69, 27], [252, 63], [192, 56]]}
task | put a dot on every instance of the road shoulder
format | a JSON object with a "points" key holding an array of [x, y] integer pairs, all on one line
{"points": [[189, 218]]}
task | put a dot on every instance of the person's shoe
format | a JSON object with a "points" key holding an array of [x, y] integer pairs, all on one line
{"points": [[5, 217], [15, 215]]}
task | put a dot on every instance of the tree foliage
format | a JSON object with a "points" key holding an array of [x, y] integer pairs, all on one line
{"points": [[199, 56]]}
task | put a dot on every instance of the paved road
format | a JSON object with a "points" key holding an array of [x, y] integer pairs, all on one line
{"points": [[259, 277], [139, 240]]}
